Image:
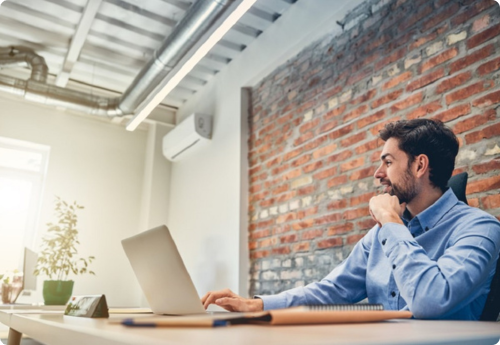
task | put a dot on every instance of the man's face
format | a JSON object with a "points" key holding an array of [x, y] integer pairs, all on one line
{"points": [[395, 174]]}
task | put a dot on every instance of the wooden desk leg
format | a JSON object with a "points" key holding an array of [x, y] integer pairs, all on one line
{"points": [[14, 337]]}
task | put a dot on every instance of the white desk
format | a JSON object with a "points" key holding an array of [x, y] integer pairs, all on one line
{"points": [[52, 328]]}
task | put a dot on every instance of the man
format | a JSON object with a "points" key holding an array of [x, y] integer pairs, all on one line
{"points": [[428, 253]]}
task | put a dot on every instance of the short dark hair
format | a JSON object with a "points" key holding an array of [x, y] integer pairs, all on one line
{"points": [[429, 137]]}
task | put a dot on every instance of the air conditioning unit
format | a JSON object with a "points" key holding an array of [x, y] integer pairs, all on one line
{"points": [[188, 136]]}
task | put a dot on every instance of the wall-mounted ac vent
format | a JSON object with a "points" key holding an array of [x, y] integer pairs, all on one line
{"points": [[188, 136]]}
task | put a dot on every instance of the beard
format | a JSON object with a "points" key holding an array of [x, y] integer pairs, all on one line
{"points": [[406, 191]]}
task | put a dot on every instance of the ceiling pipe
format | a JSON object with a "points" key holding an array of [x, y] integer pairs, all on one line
{"points": [[201, 15]]}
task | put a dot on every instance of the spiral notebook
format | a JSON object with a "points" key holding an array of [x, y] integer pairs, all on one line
{"points": [[306, 315]]}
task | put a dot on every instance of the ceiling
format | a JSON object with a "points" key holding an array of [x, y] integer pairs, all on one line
{"points": [[102, 45]]}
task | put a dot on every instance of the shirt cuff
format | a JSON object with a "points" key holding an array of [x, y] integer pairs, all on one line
{"points": [[391, 234], [272, 302]]}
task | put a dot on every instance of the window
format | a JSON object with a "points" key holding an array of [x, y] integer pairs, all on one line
{"points": [[23, 166]]}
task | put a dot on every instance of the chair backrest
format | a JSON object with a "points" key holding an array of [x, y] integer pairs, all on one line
{"points": [[458, 184]]}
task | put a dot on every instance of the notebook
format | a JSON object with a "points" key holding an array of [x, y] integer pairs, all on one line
{"points": [[161, 273]]}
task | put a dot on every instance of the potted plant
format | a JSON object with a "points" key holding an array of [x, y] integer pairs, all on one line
{"points": [[58, 255]]}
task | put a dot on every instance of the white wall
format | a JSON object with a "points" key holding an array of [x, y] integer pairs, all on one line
{"points": [[101, 166], [205, 211]]}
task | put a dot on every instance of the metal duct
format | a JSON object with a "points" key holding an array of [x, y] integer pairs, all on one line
{"points": [[16, 56], [188, 31]]}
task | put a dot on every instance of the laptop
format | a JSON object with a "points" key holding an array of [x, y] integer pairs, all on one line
{"points": [[161, 273]]}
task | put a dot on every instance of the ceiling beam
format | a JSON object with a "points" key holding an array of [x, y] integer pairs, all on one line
{"points": [[77, 41], [179, 4], [270, 17]]}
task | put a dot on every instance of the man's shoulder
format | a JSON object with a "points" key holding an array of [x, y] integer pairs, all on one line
{"points": [[465, 211]]}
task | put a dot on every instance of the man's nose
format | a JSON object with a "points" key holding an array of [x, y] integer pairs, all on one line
{"points": [[379, 173]]}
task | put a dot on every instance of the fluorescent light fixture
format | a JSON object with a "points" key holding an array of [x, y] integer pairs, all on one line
{"points": [[215, 37]]}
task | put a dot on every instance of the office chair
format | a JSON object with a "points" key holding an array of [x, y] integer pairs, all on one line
{"points": [[458, 183]]}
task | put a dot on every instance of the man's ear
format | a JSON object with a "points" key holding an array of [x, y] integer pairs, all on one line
{"points": [[422, 165]]}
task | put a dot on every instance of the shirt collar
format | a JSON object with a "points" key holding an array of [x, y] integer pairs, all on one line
{"points": [[429, 217]]}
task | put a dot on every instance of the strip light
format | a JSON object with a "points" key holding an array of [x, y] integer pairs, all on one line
{"points": [[242, 8]]}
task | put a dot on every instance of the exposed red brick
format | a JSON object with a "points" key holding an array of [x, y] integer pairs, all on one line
{"points": [[340, 229], [371, 145], [366, 224], [471, 11], [408, 102], [468, 91], [491, 201], [439, 59], [292, 174], [427, 79], [353, 139], [396, 56], [310, 234], [281, 250], [328, 126], [475, 121], [453, 113], [288, 238], [268, 242], [331, 242], [306, 190], [356, 213], [353, 164], [340, 156], [309, 125], [483, 36], [353, 239], [453, 82], [440, 17], [259, 234], [313, 167], [397, 80], [307, 223], [484, 185], [474, 202], [486, 167], [325, 173], [326, 150], [303, 138], [340, 132], [486, 101], [286, 196], [365, 97], [476, 56], [330, 218], [259, 254], [355, 113], [292, 154], [485, 133], [301, 247], [361, 199], [489, 67], [387, 98], [337, 181], [363, 173], [379, 115], [335, 112], [337, 205], [424, 110]]}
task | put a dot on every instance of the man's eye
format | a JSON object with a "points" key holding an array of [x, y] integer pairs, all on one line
{"points": [[388, 163]]}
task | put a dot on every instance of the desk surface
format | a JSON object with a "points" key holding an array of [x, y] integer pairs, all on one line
{"points": [[53, 328]]}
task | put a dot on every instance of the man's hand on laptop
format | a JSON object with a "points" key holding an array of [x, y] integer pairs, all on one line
{"points": [[231, 301]]}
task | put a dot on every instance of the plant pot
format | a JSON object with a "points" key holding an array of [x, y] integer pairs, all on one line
{"points": [[10, 292], [57, 292]]}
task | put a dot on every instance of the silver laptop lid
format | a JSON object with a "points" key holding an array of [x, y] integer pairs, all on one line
{"points": [[162, 275]]}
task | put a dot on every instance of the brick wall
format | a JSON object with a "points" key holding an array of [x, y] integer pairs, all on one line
{"points": [[314, 125]]}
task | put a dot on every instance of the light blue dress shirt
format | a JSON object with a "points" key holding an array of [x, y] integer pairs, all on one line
{"points": [[439, 265]]}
